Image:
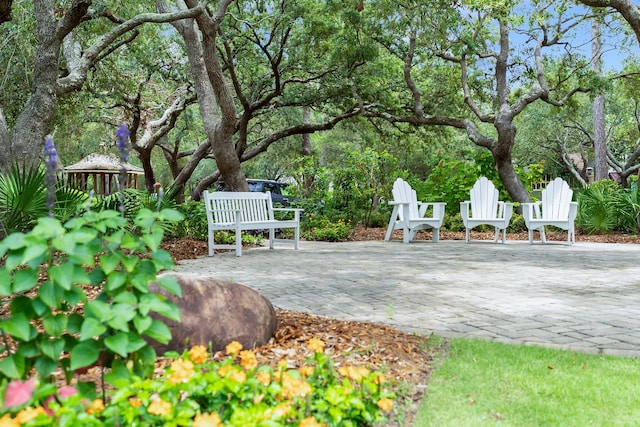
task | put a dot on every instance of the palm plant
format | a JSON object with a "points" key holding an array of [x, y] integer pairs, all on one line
{"points": [[596, 213], [22, 198], [626, 206]]}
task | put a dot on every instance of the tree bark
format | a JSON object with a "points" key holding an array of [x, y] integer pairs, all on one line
{"points": [[601, 170]]}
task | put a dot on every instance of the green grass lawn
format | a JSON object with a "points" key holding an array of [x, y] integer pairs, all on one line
{"points": [[482, 383]]}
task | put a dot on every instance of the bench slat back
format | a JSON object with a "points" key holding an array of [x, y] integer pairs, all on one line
{"points": [[254, 207]]}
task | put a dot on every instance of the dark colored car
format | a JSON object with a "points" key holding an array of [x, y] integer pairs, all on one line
{"points": [[262, 186]]}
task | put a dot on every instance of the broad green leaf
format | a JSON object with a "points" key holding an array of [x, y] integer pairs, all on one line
{"points": [[96, 276], [14, 241], [53, 348], [116, 280], [99, 309], [25, 305], [24, 280], [135, 342], [91, 328], [153, 240], [14, 259], [118, 323], [131, 242], [118, 343], [55, 325], [13, 366], [171, 215], [35, 251], [46, 366], [62, 275], [74, 295], [162, 260], [47, 228], [158, 304], [170, 283], [119, 376], [85, 354], [75, 323], [5, 282], [130, 263], [50, 294], [18, 326], [29, 349], [123, 311], [126, 298], [159, 332], [109, 263], [142, 323]]}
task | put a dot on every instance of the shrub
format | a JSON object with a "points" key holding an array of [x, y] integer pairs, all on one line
{"points": [[233, 392], [596, 213], [49, 271], [322, 228]]}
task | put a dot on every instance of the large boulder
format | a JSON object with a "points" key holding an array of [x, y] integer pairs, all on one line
{"points": [[217, 312]]}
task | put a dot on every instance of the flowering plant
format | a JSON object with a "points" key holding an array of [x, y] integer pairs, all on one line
{"points": [[200, 392]]}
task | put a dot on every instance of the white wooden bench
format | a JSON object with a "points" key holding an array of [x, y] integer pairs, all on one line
{"points": [[246, 211]]}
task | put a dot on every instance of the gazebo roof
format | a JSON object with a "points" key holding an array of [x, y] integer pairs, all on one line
{"points": [[103, 163]]}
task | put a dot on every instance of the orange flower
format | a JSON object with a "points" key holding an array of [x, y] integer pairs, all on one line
{"points": [[264, 378], [380, 379], [224, 370], [233, 348], [248, 359], [294, 387], [96, 406], [159, 407], [198, 354], [238, 376], [309, 422], [29, 414], [207, 420], [316, 345], [352, 372], [181, 371], [7, 421], [306, 371], [135, 402], [281, 410], [385, 404]]}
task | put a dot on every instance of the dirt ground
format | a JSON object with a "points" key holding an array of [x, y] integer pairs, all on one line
{"points": [[405, 357]]}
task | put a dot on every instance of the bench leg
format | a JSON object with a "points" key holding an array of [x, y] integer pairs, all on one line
{"points": [[436, 235], [211, 243], [238, 242], [271, 238], [296, 237]]}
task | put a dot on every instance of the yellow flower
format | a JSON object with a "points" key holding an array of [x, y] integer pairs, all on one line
{"points": [[159, 407], [292, 387], [309, 422], [224, 370], [316, 345], [29, 414], [238, 376], [248, 359], [135, 402], [385, 404], [96, 406], [207, 420], [354, 373], [380, 379], [7, 421], [198, 354], [264, 378], [181, 371], [233, 348], [283, 364], [306, 371], [281, 410]]}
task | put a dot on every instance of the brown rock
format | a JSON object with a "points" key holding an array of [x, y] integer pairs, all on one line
{"points": [[217, 312]]}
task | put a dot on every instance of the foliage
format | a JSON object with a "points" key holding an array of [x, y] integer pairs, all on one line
{"points": [[23, 198], [595, 208], [232, 392], [47, 274], [318, 227]]}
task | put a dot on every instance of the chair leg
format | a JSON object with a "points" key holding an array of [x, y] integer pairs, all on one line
{"points": [[466, 235], [238, 242], [436, 235], [530, 236], [543, 236]]}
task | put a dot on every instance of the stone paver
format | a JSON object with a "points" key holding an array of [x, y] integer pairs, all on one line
{"points": [[584, 297]]}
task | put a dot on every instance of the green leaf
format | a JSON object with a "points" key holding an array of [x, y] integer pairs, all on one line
{"points": [[118, 343], [119, 376], [135, 342], [35, 251], [53, 348], [91, 328], [162, 260], [116, 280], [18, 326], [126, 298], [46, 366], [153, 240], [130, 263], [69, 274], [96, 276], [159, 332], [171, 215], [55, 325], [85, 354], [5, 282], [50, 294], [75, 323], [14, 241], [142, 323], [24, 280], [99, 309], [170, 283], [109, 263], [25, 305], [13, 366], [74, 295]]}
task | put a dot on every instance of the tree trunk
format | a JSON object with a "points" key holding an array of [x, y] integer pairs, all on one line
{"points": [[599, 137], [306, 137]]}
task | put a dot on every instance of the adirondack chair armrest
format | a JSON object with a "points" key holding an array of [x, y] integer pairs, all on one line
{"points": [[465, 210], [530, 211], [505, 211], [573, 210], [394, 203]]}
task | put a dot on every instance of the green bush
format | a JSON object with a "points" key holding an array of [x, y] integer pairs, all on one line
{"points": [[516, 224], [46, 275], [596, 212], [452, 222], [236, 391], [325, 229]]}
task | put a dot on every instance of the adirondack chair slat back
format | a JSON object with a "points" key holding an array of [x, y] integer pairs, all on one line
{"points": [[556, 200], [402, 192], [484, 199]]}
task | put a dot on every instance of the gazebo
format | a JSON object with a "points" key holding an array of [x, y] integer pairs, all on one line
{"points": [[102, 173]]}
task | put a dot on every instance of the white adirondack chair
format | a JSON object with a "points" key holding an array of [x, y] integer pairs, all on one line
{"points": [[555, 208], [484, 208], [409, 214]]}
